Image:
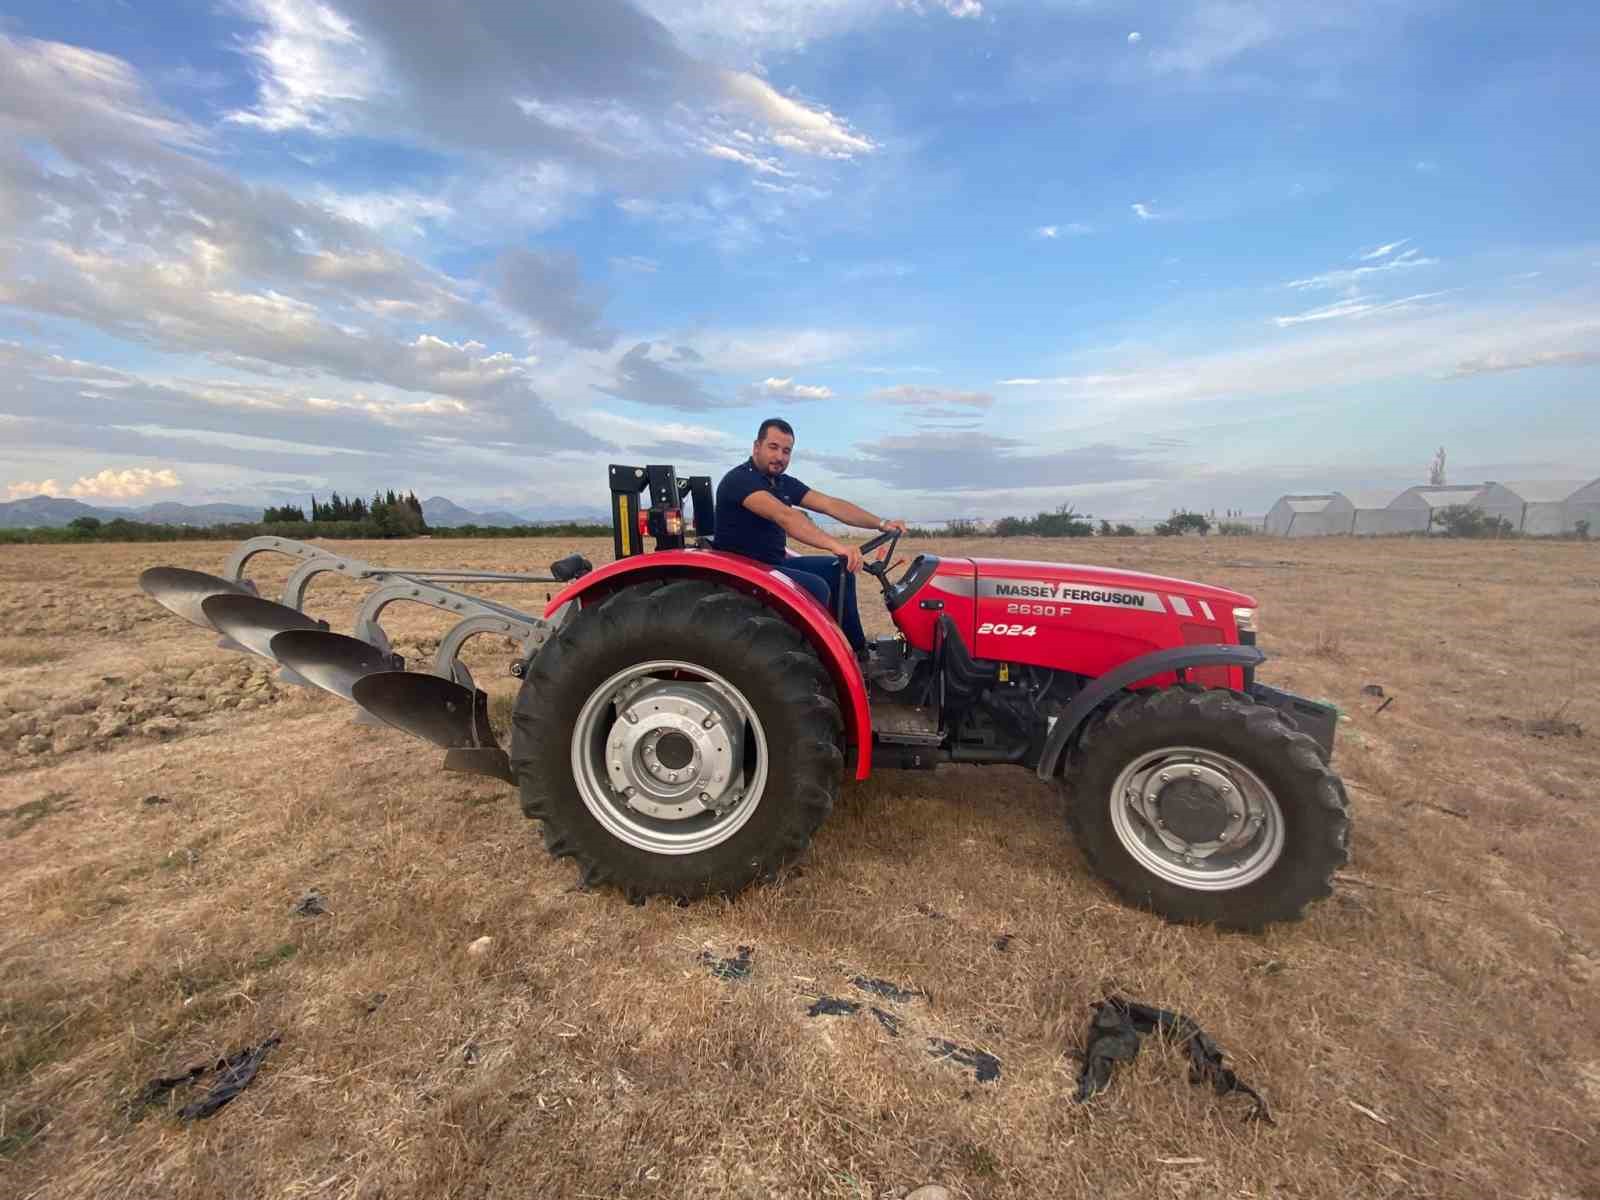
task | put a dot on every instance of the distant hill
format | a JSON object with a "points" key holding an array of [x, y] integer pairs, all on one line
{"points": [[169, 512], [53, 512], [447, 514], [56, 512]]}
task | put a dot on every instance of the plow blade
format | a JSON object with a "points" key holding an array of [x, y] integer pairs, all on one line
{"points": [[253, 623], [440, 711], [184, 592], [330, 661]]}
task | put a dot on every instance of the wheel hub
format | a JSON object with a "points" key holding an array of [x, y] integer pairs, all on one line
{"points": [[1194, 808], [1197, 818], [674, 749]]}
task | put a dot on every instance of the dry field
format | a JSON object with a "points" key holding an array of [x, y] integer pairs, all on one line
{"points": [[1431, 1030]]}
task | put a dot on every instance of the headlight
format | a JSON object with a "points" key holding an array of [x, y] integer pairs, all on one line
{"points": [[1245, 619]]}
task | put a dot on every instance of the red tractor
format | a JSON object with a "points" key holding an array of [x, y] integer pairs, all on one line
{"points": [[686, 717]]}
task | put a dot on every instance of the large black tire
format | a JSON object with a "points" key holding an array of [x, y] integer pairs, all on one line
{"points": [[1309, 796], [774, 668]]}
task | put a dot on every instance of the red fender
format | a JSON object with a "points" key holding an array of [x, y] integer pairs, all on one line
{"points": [[777, 591]]}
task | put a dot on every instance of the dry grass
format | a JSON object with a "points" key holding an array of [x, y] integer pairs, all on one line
{"points": [[1430, 1031]]}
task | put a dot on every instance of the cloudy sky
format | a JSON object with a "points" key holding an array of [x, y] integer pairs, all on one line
{"points": [[988, 256]]}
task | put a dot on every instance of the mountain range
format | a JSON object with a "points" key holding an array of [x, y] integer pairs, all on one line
{"points": [[57, 511]]}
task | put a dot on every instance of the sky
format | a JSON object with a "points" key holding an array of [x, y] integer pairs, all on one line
{"points": [[986, 256]]}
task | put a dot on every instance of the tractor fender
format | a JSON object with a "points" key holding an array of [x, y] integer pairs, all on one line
{"points": [[777, 591], [1146, 666]]}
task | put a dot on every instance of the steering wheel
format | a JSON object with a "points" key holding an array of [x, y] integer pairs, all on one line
{"points": [[878, 570]]}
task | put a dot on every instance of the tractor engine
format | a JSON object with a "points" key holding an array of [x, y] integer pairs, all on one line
{"points": [[999, 647]]}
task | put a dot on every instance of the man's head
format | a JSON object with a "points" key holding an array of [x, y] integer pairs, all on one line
{"points": [[774, 444]]}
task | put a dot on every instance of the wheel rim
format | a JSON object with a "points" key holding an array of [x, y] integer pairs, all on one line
{"points": [[1197, 818], [669, 757]]}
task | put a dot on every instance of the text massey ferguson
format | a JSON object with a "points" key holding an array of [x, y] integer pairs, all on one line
{"points": [[1052, 591]]}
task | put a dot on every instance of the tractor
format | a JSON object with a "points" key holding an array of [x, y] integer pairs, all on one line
{"points": [[686, 717]]}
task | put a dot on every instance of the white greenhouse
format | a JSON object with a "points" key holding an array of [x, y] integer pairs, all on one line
{"points": [[1300, 516], [1535, 507]]}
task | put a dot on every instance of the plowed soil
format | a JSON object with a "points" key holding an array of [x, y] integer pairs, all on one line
{"points": [[1429, 1030]]}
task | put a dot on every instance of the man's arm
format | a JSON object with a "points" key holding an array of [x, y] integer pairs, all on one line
{"points": [[800, 527], [846, 512]]}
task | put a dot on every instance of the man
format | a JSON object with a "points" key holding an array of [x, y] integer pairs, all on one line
{"points": [[757, 505]]}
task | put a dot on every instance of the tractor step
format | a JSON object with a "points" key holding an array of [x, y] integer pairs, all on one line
{"points": [[906, 725]]}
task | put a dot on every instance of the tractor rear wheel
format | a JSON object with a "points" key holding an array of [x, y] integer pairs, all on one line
{"points": [[1205, 807], [677, 739]]}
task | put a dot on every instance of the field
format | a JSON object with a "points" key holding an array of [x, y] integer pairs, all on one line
{"points": [[1430, 1030]]}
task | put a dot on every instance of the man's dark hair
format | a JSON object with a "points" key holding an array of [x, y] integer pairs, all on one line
{"points": [[779, 423]]}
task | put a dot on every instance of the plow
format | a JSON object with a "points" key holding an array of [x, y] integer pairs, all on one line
{"points": [[686, 717]]}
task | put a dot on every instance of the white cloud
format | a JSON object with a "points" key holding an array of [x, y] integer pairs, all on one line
{"points": [[765, 166], [1384, 250], [926, 397], [313, 62], [636, 262], [1349, 278], [127, 484], [399, 212], [1357, 307], [1135, 38], [1071, 229], [1492, 364], [786, 389], [1144, 212], [1433, 342], [754, 351], [27, 488], [796, 126]]}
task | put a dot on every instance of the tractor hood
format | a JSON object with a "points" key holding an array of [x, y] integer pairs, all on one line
{"points": [[1057, 575]]}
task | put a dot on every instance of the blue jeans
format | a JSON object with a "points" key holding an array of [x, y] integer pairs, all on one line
{"points": [[819, 575]]}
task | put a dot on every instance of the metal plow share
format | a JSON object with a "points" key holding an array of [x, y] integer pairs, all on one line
{"points": [[441, 705]]}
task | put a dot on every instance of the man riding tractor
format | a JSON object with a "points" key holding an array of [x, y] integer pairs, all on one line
{"points": [[757, 505]]}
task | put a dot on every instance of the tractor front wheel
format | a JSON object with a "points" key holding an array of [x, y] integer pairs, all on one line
{"points": [[678, 739], [1205, 807]]}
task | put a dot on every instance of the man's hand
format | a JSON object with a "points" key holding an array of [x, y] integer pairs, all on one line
{"points": [[897, 526], [851, 555]]}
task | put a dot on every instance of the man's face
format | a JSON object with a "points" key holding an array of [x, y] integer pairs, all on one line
{"points": [[771, 453]]}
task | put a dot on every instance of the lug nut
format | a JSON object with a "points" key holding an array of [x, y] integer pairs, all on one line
{"points": [[1194, 773], [708, 723]]}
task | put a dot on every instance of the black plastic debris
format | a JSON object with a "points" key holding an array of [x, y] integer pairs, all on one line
{"points": [[1003, 942], [1373, 689], [882, 987], [152, 800], [889, 1021], [832, 1006], [1114, 1036], [729, 968], [985, 1066], [236, 1072], [932, 913], [312, 904]]}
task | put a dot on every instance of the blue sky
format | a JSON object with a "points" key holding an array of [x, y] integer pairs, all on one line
{"points": [[987, 256]]}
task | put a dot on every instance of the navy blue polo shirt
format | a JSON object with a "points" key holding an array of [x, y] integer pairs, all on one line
{"points": [[740, 531]]}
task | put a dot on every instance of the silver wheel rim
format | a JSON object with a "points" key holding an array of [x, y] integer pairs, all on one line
{"points": [[669, 757], [1246, 845]]}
